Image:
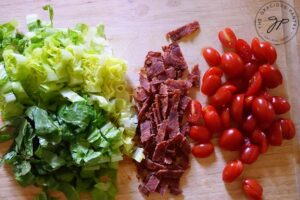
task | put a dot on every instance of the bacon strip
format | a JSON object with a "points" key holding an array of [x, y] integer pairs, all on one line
{"points": [[183, 31]]}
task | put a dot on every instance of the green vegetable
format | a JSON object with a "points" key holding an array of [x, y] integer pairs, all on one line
{"points": [[77, 139], [65, 102]]}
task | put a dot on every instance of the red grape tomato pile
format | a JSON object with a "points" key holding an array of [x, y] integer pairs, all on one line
{"points": [[241, 110]]}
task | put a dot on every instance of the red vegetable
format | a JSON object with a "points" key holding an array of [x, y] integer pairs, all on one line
{"points": [[243, 49], [212, 71], [288, 128], [250, 154], [252, 189], [271, 76], [232, 170], [237, 107], [194, 112], [210, 85], [232, 65], [211, 56], [275, 134], [258, 137], [225, 117], [227, 38], [222, 96], [263, 110], [250, 69], [280, 104], [212, 119], [200, 133], [254, 84], [231, 139], [249, 124], [203, 150], [263, 51]]}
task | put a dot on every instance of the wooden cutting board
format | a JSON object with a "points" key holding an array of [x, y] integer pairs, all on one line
{"points": [[135, 27]]}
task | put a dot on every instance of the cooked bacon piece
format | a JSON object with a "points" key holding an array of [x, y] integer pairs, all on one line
{"points": [[159, 152], [161, 133], [173, 57], [183, 31], [140, 94], [144, 81], [154, 64], [173, 123], [183, 104], [182, 85], [145, 129], [152, 183], [185, 129], [194, 76]]}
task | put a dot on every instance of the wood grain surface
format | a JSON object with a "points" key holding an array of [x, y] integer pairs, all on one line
{"points": [[135, 27]]}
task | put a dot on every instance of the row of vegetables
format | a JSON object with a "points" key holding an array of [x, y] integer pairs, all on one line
{"points": [[65, 102]]}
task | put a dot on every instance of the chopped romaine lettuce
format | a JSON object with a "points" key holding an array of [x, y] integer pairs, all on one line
{"points": [[65, 97]]}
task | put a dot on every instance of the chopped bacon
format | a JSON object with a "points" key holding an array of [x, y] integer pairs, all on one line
{"points": [[161, 101], [183, 31]]}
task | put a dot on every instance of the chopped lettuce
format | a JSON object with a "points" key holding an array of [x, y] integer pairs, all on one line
{"points": [[65, 96]]}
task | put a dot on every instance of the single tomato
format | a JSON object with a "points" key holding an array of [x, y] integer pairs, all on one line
{"points": [[275, 134], [232, 170], [212, 119], [203, 150], [252, 189], [280, 104], [271, 76], [263, 110], [200, 134], [255, 84], [211, 56], [231, 139], [250, 154], [259, 138], [237, 107], [210, 85], [222, 96], [194, 112], [288, 128], [212, 71], [243, 49], [232, 65], [227, 38]]}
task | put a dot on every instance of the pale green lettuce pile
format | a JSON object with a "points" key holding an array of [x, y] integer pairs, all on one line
{"points": [[48, 76]]}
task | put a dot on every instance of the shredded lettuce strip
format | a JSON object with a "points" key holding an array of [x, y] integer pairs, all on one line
{"points": [[49, 67]]}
